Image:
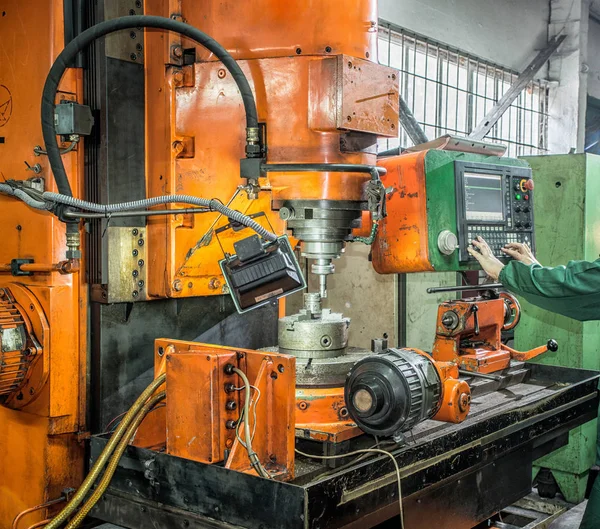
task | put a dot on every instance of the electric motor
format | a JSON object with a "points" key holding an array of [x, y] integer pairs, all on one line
{"points": [[389, 393], [19, 347]]}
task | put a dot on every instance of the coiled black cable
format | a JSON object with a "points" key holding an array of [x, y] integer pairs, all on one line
{"points": [[84, 39]]}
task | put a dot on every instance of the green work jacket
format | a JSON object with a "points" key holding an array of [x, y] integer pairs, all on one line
{"points": [[572, 290]]}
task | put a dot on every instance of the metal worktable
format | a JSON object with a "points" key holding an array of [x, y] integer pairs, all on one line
{"points": [[453, 476]]}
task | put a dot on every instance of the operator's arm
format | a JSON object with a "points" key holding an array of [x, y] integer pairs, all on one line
{"points": [[572, 290]]}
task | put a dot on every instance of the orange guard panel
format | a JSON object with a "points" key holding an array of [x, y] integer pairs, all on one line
{"points": [[402, 238]]}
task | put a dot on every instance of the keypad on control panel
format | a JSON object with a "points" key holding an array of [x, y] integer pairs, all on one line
{"points": [[496, 237]]}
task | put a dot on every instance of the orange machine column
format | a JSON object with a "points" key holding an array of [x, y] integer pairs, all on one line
{"points": [[321, 96], [42, 315]]}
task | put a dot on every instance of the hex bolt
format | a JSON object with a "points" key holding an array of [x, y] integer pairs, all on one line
{"points": [[135, 232], [140, 242], [140, 283], [135, 253], [178, 78], [135, 273], [177, 52], [140, 262], [135, 293]]}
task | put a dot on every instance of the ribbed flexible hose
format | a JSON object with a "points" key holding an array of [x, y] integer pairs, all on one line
{"points": [[18, 193], [114, 461], [87, 484], [84, 39], [214, 205]]}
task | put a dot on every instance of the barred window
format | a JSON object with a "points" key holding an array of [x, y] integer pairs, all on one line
{"points": [[450, 92]]}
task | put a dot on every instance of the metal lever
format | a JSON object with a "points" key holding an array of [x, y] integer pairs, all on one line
{"points": [[474, 310], [466, 288]]}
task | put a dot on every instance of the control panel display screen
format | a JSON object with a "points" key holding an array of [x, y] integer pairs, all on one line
{"points": [[483, 197]]}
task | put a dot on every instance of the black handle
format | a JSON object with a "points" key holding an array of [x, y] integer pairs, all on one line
{"points": [[475, 310]]}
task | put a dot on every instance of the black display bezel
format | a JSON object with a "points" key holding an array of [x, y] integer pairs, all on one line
{"points": [[504, 171]]}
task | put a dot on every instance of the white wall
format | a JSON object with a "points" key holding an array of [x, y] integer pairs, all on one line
{"points": [[593, 59], [507, 32]]}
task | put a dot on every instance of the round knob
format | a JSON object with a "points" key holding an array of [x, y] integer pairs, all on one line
{"points": [[526, 209], [552, 345], [447, 242], [529, 185], [518, 209], [517, 186]]}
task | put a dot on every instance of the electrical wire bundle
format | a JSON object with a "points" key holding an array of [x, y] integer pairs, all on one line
{"points": [[51, 201], [111, 455], [248, 433]]}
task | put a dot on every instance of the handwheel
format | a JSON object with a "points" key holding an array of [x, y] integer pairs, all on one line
{"points": [[512, 311]]}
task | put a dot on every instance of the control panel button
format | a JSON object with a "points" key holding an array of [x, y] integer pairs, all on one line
{"points": [[526, 209], [518, 209], [517, 186], [526, 197], [529, 185], [518, 196]]}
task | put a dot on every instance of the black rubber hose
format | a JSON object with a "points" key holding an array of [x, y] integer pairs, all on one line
{"points": [[84, 39]]}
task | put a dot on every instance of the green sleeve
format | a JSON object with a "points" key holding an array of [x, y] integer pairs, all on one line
{"points": [[572, 290]]}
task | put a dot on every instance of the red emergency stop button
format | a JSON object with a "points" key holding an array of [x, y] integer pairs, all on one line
{"points": [[529, 185], [526, 197]]}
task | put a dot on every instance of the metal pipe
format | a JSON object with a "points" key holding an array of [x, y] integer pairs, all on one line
{"points": [[64, 267], [458, 288], [45, 505], [373, 170]]}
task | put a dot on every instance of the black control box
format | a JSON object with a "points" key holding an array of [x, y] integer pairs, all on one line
{"points": [[495, 202]]}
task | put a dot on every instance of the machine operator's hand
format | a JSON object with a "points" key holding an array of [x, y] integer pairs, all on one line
{"points": [[520, 252], [491, 265]]}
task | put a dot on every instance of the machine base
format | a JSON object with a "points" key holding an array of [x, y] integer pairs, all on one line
{"points": [[512, 423]]}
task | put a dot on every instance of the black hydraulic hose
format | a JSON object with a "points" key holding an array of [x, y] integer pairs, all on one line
{"points": [[84, 39]]}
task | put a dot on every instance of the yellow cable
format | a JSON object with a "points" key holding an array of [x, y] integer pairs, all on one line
{"points": [[370, 451], [114, 461], [87, 484]]}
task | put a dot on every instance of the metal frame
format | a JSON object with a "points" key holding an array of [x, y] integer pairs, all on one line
{"points": [[492, 117], [457, 89]]}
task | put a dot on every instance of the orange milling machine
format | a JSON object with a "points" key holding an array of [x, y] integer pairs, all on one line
{"points": [[314, 102]]}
